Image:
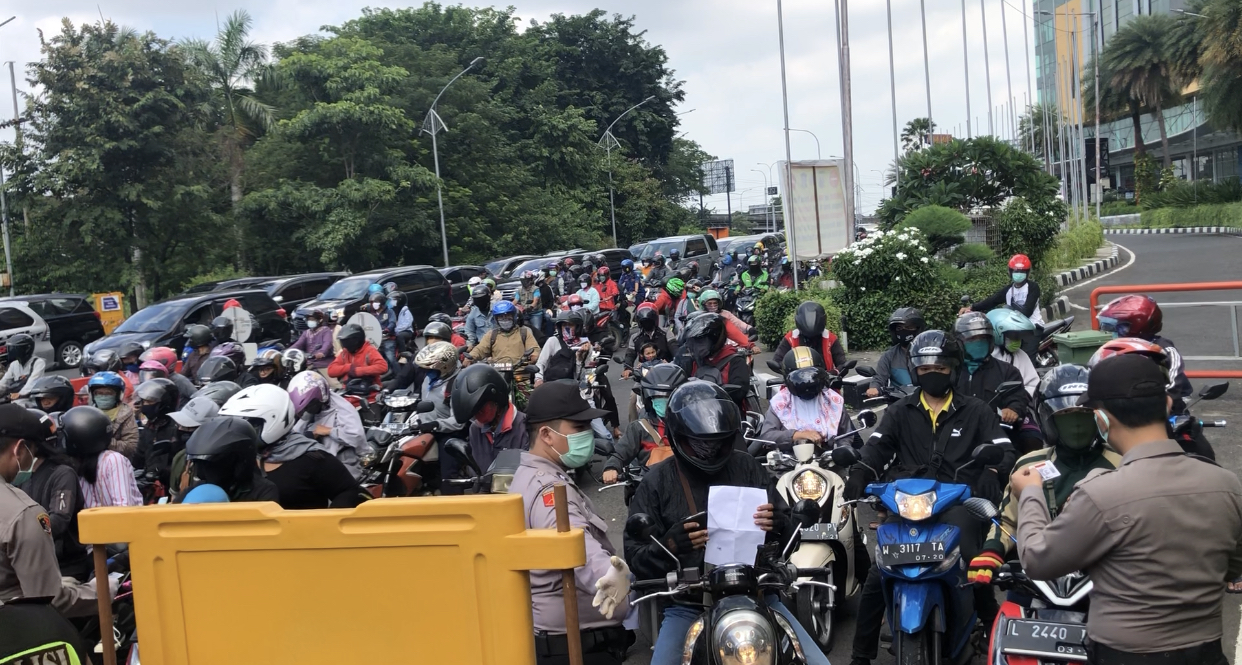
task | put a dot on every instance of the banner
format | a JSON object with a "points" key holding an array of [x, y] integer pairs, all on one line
{"points": [[816, 201], [111, 310]]}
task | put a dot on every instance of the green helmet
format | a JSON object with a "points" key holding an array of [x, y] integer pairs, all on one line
{"points": [[1009, 321], [708, 294], [675, 286]]}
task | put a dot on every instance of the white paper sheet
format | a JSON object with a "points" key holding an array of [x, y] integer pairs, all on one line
{"points": [[732, 535]]}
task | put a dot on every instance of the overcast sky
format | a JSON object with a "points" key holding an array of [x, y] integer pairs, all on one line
{"points": [[726, 51]]}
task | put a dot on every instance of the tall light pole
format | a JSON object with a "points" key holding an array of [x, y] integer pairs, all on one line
{"points": [[966, 65], [4, 205], [819, 154], [790, 231], [987, 69], [847, 122], [433, 125], [892, 79], [926, 63], [1030, 93], [1008, 78], [608, 142]]}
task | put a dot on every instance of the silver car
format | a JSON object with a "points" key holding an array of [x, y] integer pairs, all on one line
{"points": [[17, 318]]}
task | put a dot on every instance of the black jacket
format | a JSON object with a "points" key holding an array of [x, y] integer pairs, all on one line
{"points": [[905, 437], [982, 385], [162, 431], [315, 480], [999, 299], [662, 497], [657, 337], [55, 487]]}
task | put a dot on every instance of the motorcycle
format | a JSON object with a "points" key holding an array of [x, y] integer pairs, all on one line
{"points": [[497, 479], [1186, 428], [1046, 356], [920, 563], [407, 457], [737, 624], [1040, 623], [746, 300]]}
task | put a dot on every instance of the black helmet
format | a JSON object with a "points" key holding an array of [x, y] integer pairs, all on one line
{"points": [[806, 375], [219, 391], [397, 298], [216, 368], [704, 335], [53, 386], [481, 294], [441, 317], [657, 383], [87, 431], [476, 387], [566, 317], [352, 337], [198, 336], [131, 349], [702, 423], [21, 348], [674, 254], [972, 325], [1058, 395], [103, 360], [905, 324], [222, 328], [648, 318], [222, 451], [934, 347], [440, 331], [159, 396], [810, 320]]}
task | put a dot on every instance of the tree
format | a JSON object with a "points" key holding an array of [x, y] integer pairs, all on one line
{"points": [[1222, 62], [1139, 65], [1031, 130], [916, 135]]}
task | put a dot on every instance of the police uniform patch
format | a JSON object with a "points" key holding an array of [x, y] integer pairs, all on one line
{"points": [[549, 498], [45, 522]]}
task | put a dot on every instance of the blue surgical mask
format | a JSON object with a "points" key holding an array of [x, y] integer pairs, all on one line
{"points": [[105, 402], [132, 367], [312, 324], [1018, 277], [392, 304], [977, 349], [581, 447], [659, 404]]}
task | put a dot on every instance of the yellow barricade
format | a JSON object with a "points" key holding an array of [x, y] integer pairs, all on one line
{"points": [[426, 580]]}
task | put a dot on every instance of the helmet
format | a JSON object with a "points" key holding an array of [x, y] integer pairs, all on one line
{"points": [[504, 308], [216, 368], [806, 375], [309, 392], [151, 369], [1020, 263], [674, 254], [396, 300], [627, 265], [162, 355], [52, 386], [570, 317], [1131, 316], [21, 348], [1116, 347], [439, 357], [1058, 394], [904, 324], [707, 296], [267, 358], [198, 336], [231, 350], [441, 317], [569, 263], [675, 286], [647, 316], [479, 391], [754, 261], [975, 324], [574, 301], [727, 260], [292, 361], [934, 347], [474, 281], [219, 391], [702, 423], [602, 274], [810, 320], [222, 452], [694, 286], [222, 328], [87, 432], [377, 299], [490, 283], [103, 360], [266, 407], [106, 380], [759, 246], [659, 259], [439, 330], [158, 397], [205, 493], [657, 383], [480, 293], [704, 335], [374, 289], [129, 350], [352, 337], [693, 266], [1009, 323], [230, 303]]}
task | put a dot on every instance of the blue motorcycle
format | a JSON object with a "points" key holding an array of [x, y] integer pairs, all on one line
{"points": [[930, 608]]}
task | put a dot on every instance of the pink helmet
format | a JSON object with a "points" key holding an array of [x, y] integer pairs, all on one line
{"points": [[151, 369], [163, 355], [306, 389]]}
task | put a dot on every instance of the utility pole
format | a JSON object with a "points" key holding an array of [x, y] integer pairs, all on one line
{"points": [[1030, 94], [987, 69], [790, 230], [926, 64], [847, 120], [17, 128], [966, 65], [892, 83], [1008, 79]]}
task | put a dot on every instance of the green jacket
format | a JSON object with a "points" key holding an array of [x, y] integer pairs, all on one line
{"points": [[760, 283]]}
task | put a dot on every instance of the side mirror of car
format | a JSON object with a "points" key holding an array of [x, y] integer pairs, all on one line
{"points": [[867, 418], [806, 513]]}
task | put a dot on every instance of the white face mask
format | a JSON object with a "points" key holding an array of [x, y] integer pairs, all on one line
{"points": [[312, 324]]}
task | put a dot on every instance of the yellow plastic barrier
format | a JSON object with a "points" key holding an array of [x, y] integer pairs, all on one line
{"points": [[427, 580]]}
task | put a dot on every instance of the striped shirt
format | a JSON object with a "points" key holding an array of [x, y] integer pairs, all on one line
{"points": [[114, 483]]}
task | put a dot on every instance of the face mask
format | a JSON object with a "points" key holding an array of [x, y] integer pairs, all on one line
{"points": [[935, 383], [481, 303], [581, 447], [1102, 429], [392, 304], [568, 334], [131, 367], [1013, 345], [23, 475], [311, 325], [659, 404], [105, 402], [1018, 277], [151, 410], [1076, 430], [377, 306], [505, 324], [976, 349]]}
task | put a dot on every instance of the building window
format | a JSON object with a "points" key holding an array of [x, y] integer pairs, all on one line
{"points": [[1203, 167], [1226, 164]]}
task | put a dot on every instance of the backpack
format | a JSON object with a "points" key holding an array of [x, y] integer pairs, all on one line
{"points": [[563, 363], [495, 332]]}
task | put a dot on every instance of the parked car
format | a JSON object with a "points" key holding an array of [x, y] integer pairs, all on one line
{"points": [[164, 323], [72, 320], [501, 269], [458, 276], [701, 248], [291, 291], [17, 317], [425, 289], [236, 284]]}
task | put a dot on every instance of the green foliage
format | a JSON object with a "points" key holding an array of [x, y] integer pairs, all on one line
{"points": [[774, 312], [216, 275], [1221, 31], [1076, 243], [1226, 214], [1114, 208], [1137, 63], [1146, 176], [943, 228], [969, 253], [916, 135], [1182, 194], [1025, 231]]}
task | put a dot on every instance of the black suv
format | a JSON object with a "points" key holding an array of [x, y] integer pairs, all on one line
{"points": [[164, 323], [426, 292], [293, 291], [459, 276], [72, 320]]}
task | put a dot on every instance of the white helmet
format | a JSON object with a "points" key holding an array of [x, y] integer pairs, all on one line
{"points": [[265, 406], [474, 281], [438, 356]]}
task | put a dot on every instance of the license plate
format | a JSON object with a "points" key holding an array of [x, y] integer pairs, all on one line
{"points": [[395, 428], [819, 533], [1045, 639], [912, 554]]}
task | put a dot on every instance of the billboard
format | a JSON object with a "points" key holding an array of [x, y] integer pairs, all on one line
{"points": [[815, 201], [719, 177]]}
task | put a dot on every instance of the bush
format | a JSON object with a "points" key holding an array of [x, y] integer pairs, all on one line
{"points": [[1115, 208], [1227, 214], [1182, 194], [774, 313], [1077, 242], [943, 227], [1025, 231]]}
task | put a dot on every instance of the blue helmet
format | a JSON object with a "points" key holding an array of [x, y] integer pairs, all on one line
{"points": [[727, 260], [375, 288], [1007, 321], [626, 263], [206, 493], [503, 307], [106, 379]]}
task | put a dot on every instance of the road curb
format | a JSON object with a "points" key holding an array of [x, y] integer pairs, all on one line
{"points": [[1221, 230], [1061, 306]]}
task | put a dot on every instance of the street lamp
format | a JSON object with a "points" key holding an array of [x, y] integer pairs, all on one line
{"points": [[432, 124], [608, 142], [4, 208], [818, 153]]}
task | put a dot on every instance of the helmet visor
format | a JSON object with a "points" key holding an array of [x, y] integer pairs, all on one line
{"points": [[1064, 403], [710, 419], [1110, 325]]}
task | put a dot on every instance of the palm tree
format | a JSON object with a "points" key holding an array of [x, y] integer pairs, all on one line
{"points": [[1139, 66], [1222, 62], [232, 64], [917, 134]]}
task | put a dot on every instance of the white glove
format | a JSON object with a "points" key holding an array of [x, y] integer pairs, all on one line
{"points": [[612, 588], [114, 583]]}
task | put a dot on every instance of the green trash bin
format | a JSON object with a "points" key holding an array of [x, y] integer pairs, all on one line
{"points": [[1076, 348]]}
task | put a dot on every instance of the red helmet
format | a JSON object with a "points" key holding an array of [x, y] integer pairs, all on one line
{"points": [[1019, 262], [163, 355], [1132, 316], [603, 272], [574, 301], [569, 263], [231, 302], [1123, 345]]}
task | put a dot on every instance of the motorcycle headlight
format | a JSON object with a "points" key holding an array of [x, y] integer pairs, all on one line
{"points": [[789, 632], [915, 507], [744, 638], [809, 485], [501, 483], [400, 401], [692, 636]]}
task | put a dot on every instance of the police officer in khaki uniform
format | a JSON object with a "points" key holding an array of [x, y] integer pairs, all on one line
{"points": [[1159, 536], [561, 439], [28, 567]]}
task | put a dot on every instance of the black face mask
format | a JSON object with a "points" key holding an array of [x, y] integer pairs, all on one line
{"points": [[935, 383], [699, 348], [482, 303], [647, 324], [151, 411]]}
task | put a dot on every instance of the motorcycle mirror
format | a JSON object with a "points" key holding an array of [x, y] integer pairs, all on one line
{"points": [[845, 456], [426, 406], [806, 513], [844, 369], [865, 370], [867, 418], [988, 454], [460, 451], [965, 300], [1214, 391], [1008, 387], [639, 525], [981, 509], [775, 366]]}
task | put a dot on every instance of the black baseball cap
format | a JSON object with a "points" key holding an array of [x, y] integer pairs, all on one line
{"points": [[18, 422], [560, 400], [1127, 376]]}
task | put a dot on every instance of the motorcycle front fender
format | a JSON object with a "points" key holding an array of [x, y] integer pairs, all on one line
{"points": [[915, 605], [813, 555]]}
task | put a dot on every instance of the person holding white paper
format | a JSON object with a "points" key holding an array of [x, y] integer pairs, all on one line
{"points": [[703, 425]]}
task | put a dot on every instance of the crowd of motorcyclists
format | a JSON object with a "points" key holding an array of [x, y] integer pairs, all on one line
{"points": [[1085, 468]]}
